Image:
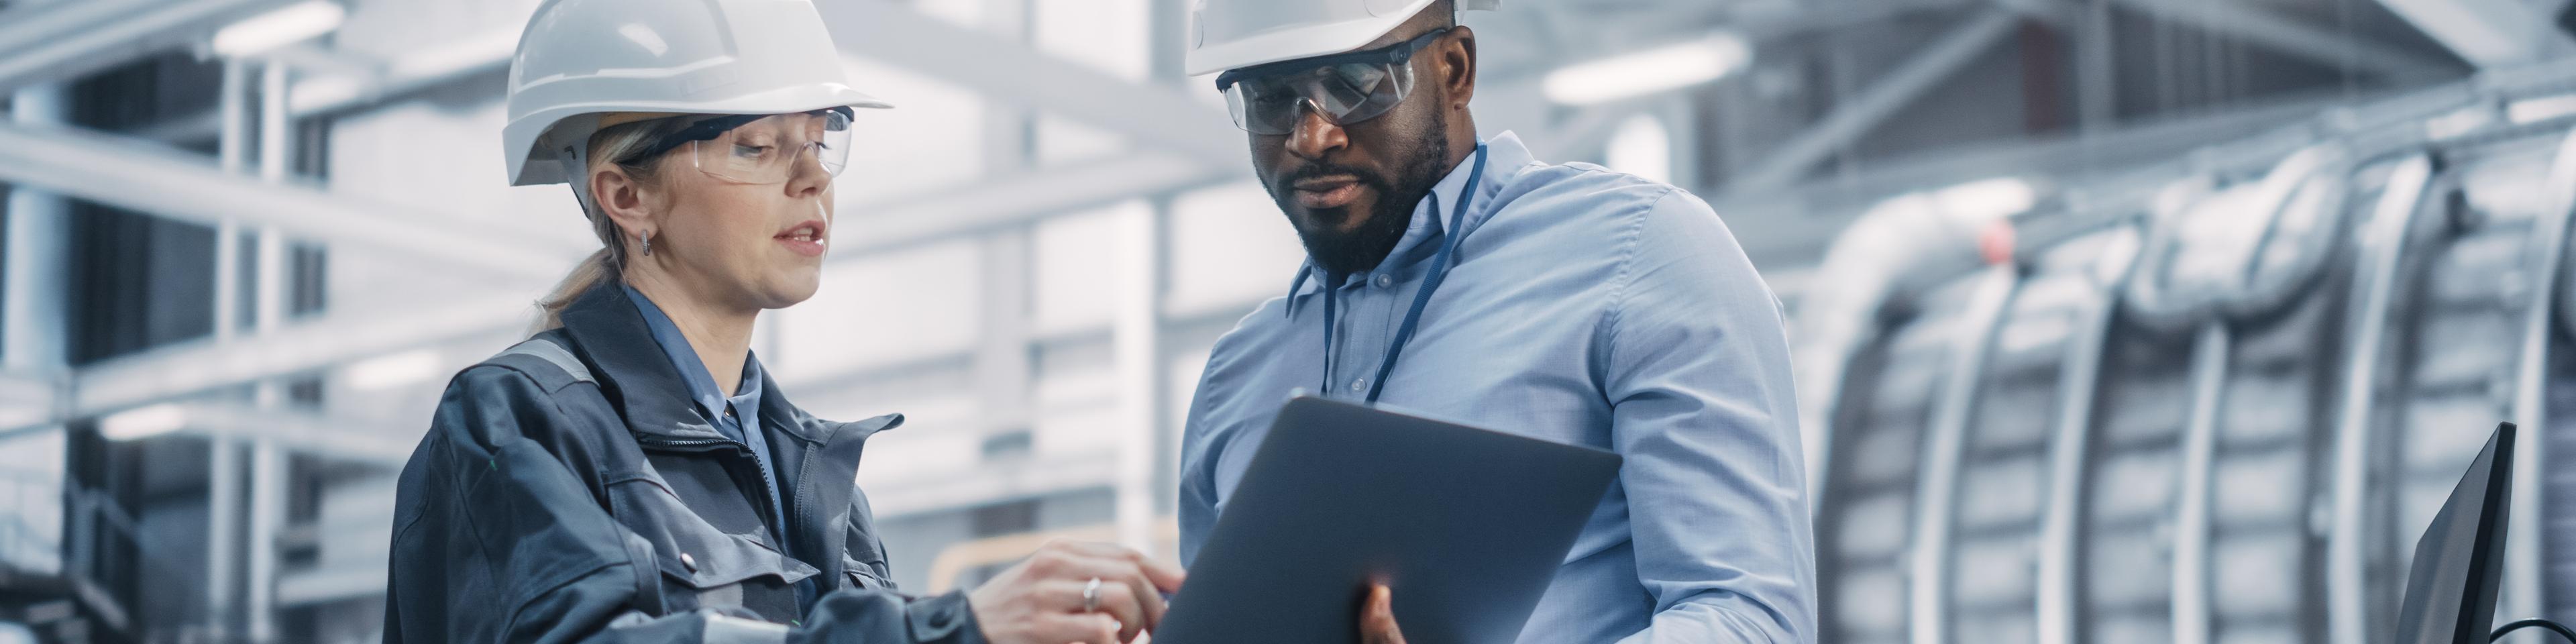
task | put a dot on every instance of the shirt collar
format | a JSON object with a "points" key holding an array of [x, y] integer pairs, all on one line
{"points": [[693, 372], [1422, 236]]}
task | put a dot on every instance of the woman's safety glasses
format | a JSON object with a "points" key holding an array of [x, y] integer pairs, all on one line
{"points": [[763, 149], [1345, 88]]}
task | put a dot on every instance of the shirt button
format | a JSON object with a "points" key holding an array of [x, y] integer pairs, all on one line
{"points": [[1385, 280], [1359, 385]]}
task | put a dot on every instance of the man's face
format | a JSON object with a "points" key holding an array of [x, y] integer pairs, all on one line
{"points": [[1350, 189]]}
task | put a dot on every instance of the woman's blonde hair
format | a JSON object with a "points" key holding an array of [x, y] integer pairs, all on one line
{"points": [[623, 144]]}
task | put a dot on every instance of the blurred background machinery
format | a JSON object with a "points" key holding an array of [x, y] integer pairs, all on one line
{"points": [[2119, 321]]}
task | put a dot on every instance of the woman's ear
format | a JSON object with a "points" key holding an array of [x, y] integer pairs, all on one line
{"points": [[622, 200]]}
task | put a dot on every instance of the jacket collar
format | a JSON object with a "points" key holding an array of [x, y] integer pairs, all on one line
{"points": [[648, 391]]}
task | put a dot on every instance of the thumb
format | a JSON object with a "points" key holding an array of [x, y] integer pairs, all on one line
{"points": [[1377, 623]]}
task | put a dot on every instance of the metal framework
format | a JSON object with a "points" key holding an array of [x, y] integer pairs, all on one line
{"points": [[1174, 142]]}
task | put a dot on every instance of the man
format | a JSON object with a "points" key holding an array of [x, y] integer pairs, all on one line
{"points": [[1565, 302]]}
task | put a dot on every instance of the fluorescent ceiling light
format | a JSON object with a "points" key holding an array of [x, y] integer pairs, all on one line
{"points": [[143, 422], [289, 25], [394, 370], [315, 94], [1649, 71], [2533, 110]]}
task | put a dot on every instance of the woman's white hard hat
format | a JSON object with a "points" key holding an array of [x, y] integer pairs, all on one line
{"points": [[1233, 34], [579, 60]]}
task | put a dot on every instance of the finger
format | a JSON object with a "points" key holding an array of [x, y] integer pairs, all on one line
{"points": [[1377, 621], [1085, 628], [1106, 631], [1119, 602], [1166, 576], [1120, 571]]}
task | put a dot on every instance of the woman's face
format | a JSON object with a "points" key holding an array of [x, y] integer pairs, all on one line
{"points": [[746, 217]]}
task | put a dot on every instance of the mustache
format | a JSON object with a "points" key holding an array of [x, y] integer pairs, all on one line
{"points": [[1316, 170]]}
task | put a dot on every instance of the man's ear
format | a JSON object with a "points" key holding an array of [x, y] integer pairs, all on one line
{"points": [[1458, 64], [622, 200]]}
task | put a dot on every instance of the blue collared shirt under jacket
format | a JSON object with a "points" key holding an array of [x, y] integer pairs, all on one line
{"points": [[1586, 307]]}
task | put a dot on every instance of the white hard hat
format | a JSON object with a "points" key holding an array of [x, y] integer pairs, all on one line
{"points": [[1232, 34], [580, 59]]}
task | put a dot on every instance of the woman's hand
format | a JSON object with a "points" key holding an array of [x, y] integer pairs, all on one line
{"points": [[1041, 600], [1377, 619]]}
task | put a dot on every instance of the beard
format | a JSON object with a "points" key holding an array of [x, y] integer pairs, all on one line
{"points": [[1420, 165]]}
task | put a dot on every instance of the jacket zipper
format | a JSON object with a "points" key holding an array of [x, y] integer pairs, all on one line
{"points": [[742, 450]]}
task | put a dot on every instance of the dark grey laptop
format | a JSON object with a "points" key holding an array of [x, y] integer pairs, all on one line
{"points": [[1466, 525]]}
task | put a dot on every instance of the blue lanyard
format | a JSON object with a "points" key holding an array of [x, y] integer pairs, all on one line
{"points": [[1440, 265]]}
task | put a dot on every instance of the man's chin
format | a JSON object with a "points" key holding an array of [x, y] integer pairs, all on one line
{"points": [[1336, 222]]}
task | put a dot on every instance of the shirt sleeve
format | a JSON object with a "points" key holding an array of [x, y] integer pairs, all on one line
{"points": [[1197, 498], [1702, 409]]}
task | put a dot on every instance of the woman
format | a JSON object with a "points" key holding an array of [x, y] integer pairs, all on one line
{"points": [[629, 473]]}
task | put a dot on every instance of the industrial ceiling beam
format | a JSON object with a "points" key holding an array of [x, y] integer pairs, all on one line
{"points": [[2487, 33], [190, 368], [2248, 22], [367, 441], [992, 203], [118, 172], [65, 42], [1884, 98], [336, 82], [1161, 117], [25, 25], [872, 227]]}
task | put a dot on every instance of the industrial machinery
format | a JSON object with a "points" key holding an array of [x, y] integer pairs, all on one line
{"points": [[2210, 401]]}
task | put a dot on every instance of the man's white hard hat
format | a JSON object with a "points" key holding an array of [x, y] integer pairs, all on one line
{"points": [[581, 59], [1232, 34]]}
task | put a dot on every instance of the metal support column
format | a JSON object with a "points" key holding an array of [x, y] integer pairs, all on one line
{"points": [[32, 316], [268, 471], [223, 456], [1136, 340], [1003, 367], [2348, 602], [1945, 443], [34, 336]]}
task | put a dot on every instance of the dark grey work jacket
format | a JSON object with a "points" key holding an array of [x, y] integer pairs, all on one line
{"points": [[568, 492]]}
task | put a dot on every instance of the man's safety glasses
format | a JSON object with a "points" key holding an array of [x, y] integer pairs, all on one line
{"points": [[1346, 88], [762, 149]]}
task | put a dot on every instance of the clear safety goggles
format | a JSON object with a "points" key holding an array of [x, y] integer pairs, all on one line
{"points": [[1345, 88], [763, 149]]}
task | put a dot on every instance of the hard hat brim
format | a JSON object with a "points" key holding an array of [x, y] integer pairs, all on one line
{"points": [[1291, 44], [536, 164]]}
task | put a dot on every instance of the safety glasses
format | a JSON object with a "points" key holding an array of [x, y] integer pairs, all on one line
{"points": [[1345, 88], [763, 149]]}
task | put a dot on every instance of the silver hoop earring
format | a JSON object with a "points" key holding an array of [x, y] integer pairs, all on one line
{"points": [[646, 240]]}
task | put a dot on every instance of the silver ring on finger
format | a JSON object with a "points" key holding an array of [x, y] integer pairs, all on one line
{"points": [[1091, 596]]}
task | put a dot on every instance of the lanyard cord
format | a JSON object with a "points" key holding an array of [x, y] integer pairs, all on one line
{"points": [[1440, 265]]}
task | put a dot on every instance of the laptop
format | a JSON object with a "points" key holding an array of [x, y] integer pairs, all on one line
{"points": [[1465, 525], [2459, 563]]}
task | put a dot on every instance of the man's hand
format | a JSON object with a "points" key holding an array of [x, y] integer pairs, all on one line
{"points": [[1377, 618], [1041, 600]]}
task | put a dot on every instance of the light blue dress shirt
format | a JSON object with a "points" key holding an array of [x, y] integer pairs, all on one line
{"points": [[1585, 307]]}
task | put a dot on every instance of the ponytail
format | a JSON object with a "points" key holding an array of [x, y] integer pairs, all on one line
{"points": [[592, 270], [621, 143]]}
